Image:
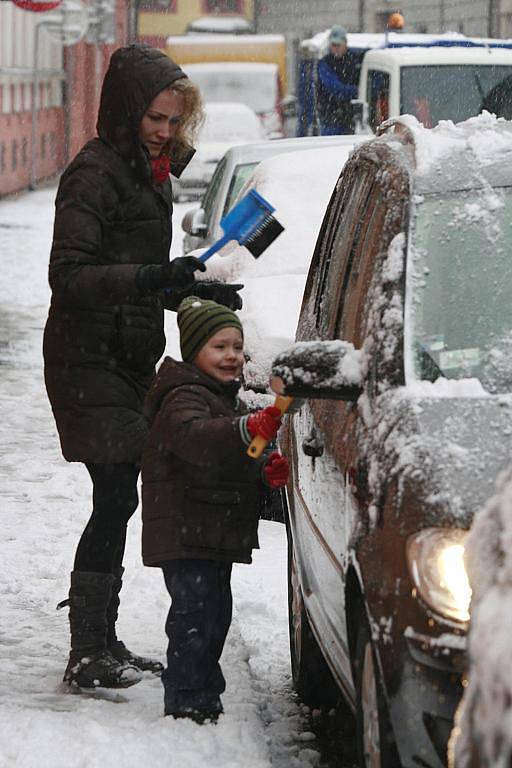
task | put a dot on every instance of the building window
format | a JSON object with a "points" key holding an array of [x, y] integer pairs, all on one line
{"points": [[223, 6], [14, 163], [2, 157], [53, 146], [169, 6], [24, 153]]}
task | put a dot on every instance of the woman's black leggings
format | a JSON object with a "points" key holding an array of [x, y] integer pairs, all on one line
{"points": [[115, 499]]}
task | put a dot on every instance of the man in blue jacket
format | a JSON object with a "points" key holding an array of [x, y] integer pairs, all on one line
{"points": [[337, 85]]}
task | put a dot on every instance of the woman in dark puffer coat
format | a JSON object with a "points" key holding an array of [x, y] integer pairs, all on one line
{"points": [[111, 278]]}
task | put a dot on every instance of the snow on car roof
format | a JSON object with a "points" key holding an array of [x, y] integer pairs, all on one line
{"points": [[473, 153], [417, 56], [261, 149], [364, 41]]}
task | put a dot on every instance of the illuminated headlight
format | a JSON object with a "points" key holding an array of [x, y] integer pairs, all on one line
{"points": [[436, 561]]}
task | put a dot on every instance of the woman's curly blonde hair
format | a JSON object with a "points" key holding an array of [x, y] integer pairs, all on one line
{"points": [[193, 118]]}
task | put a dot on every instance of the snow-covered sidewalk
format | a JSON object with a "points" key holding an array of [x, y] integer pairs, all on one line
{"points": [[44, 504]]}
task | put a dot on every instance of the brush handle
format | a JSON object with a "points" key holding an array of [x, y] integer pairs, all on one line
{"points": [[258, 443], [220, 243]]}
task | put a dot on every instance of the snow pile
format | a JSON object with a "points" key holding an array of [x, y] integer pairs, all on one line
{"points": [[485, 136], [483, 734]]}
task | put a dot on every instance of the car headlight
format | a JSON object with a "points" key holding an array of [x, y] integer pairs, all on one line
{"points": [[436, 561]]}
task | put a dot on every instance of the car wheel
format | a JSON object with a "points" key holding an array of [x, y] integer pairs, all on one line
{"points": [[312, 677], [375, 742]]}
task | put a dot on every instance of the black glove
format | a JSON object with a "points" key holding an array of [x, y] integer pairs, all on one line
{"points": [[175, 274], [222, 293]]}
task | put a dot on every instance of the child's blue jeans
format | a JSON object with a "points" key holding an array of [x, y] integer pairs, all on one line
{"points": [[196, 626]]}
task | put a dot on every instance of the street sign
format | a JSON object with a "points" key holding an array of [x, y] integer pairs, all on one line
{"points": [[38, 6]]}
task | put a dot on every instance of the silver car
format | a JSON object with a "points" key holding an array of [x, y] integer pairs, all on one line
{"points": [[202, 225]]}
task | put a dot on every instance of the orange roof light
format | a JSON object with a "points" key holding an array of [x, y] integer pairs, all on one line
{"points": [[396, 21]]}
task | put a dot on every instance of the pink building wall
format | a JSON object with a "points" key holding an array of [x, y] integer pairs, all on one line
{"points": [[60, 133]]}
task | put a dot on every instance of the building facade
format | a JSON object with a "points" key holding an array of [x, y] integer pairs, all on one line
{"points": [[48, 106], [158, 19], [300, 19]]}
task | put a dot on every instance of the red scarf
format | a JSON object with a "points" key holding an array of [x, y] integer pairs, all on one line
{"points": [[161, 167]]}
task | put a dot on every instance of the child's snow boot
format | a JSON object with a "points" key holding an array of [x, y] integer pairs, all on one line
{"points": [[90, 664], [116, 647]]}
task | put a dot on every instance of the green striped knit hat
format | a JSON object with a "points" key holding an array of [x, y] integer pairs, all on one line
{"points": [[199, 320]]}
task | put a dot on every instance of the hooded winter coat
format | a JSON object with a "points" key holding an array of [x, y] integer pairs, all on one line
{"points": [[200, 490], [102, 338]]}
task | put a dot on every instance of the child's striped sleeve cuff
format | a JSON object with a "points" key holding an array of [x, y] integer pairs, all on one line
{"points": [[244, 432]]}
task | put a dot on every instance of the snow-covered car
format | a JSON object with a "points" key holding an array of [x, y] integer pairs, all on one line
{"points": [[403, 357], [226, 125], [254, 83], [299, 186], [202, 225]]}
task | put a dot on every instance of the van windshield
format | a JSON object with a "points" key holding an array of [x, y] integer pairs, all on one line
{"points": [[455, 92], [460, 287]]}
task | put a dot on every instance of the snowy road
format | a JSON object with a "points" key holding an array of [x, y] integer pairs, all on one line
{"points": [[44, 505]]}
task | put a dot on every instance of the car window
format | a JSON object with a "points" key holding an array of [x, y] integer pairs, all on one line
{"points": [[378, 97], [342, 234], [434, 93], [353, 307], [240, 176], [211, 192], [460, 286]]}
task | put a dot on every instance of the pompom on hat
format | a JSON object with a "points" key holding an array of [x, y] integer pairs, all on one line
{"points": [[199, 320]]}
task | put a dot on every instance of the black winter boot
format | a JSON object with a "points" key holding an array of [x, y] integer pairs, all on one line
{"points": [[116, 647], [90, 664]]}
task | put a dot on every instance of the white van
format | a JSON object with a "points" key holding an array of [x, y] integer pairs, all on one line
{"points": [[443, 77], [255, 83], [434, 83]]}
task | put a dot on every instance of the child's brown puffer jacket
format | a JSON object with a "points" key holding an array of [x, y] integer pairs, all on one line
{"points": [[200, 490]]}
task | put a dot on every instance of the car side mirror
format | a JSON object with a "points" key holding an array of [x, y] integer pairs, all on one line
{"points": [[193, 223], [289, 105], [326, 370]]}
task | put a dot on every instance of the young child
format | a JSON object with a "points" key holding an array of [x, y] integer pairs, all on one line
{"points": [[200, 497]]}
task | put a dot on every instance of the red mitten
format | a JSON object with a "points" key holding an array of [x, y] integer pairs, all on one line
{"points": [[276, 470], [265, 423]]}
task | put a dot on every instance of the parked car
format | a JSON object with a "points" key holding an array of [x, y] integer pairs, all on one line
{"points": [[202, 225], [299, 186], [258, 84], [403, 358], [226, 124]]}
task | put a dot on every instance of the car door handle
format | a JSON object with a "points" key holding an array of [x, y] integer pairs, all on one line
{"points": [[312, 446]]}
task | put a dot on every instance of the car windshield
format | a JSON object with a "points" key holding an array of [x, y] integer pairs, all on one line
{"points": [[240, 176], [460, 288], [455, 92]]}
